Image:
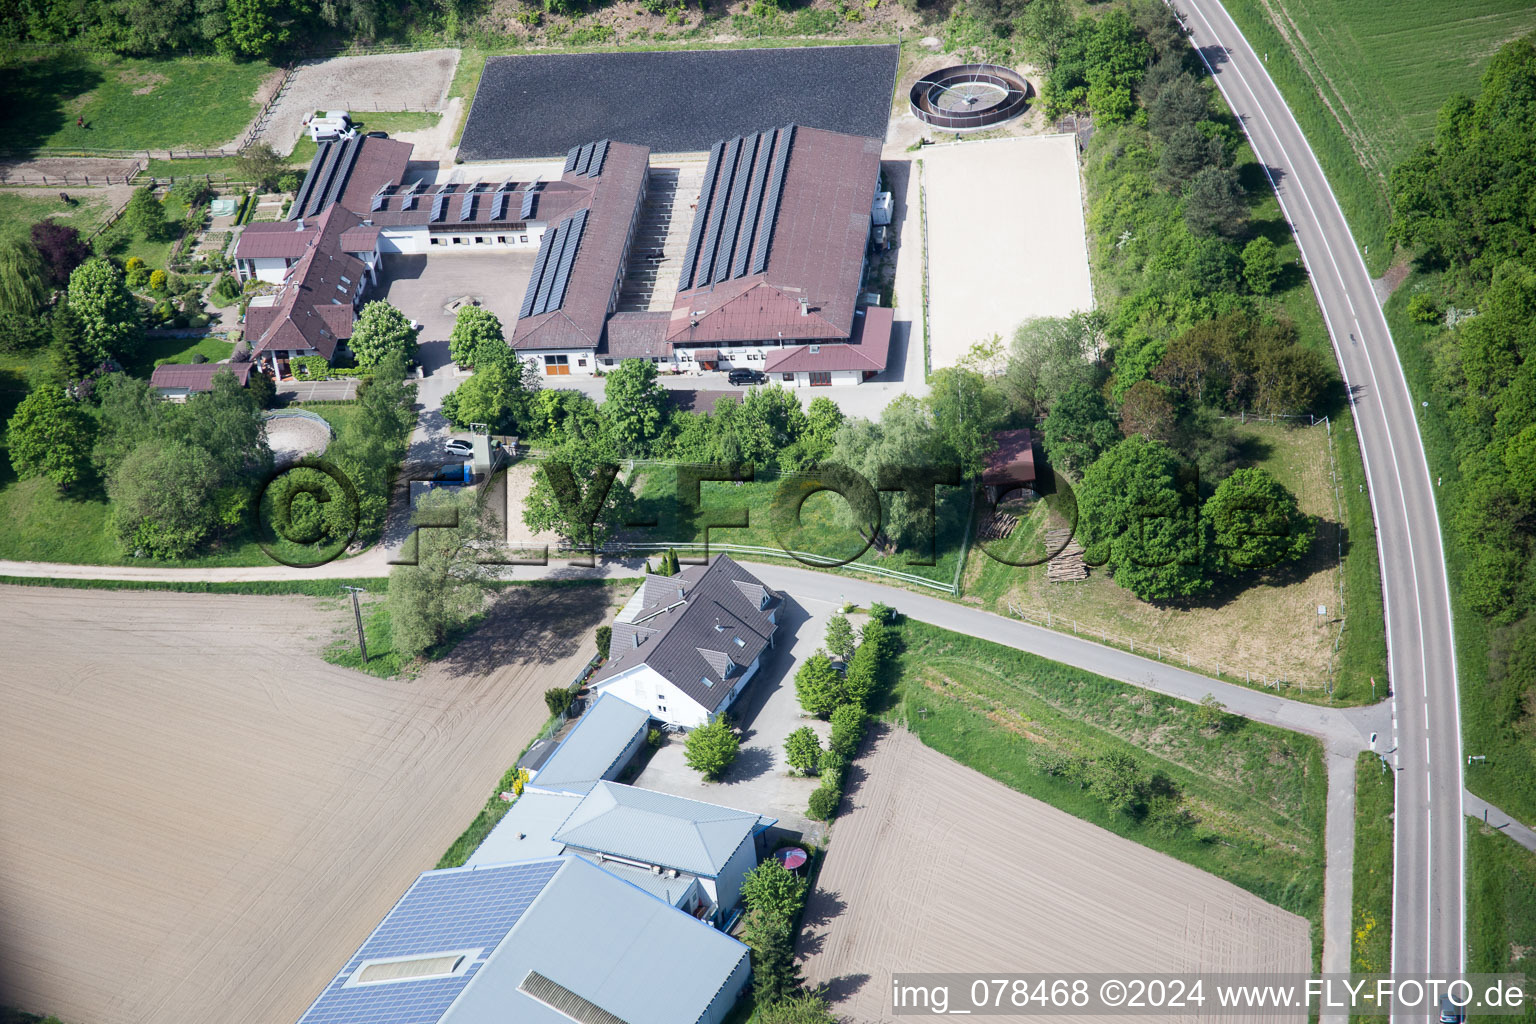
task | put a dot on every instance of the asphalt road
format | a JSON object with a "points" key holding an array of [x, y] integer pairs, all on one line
{"points": [[1429, 893]]}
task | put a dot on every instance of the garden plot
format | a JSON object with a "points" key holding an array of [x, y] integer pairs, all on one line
{"points": [[1005, 239]]}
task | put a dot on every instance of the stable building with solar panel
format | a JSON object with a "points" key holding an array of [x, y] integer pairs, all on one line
{"points": [[754, 260]]}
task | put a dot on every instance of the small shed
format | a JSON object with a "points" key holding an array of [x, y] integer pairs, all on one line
{"points": [[179, 381], [1013, 464]]}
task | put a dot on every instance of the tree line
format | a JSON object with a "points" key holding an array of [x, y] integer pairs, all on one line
{"points": [[1464, 204]]}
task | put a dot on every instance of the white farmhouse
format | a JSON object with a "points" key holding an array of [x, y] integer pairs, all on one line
{"points": [[686, 646]]}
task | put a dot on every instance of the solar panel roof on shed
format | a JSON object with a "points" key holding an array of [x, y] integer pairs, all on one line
{"points": [[460, 913]]}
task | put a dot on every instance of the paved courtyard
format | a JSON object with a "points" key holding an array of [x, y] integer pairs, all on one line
{"points": [[767, 713], [1005, 239]]}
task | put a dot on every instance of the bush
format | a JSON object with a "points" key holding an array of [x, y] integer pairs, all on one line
{"points": [[847, 730], [604, 641], [802, 749], [198, 357], [710, 749], [157, 281], [655, 738], [823, 804], [288, 183], [1423, 309], [558, 699]]}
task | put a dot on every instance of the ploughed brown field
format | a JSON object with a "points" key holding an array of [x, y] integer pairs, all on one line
{"points": [[200, 819], [934, 867]]}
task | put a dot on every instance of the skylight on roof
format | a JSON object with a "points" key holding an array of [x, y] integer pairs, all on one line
{"points": [[705, 680], [413, 968], [739, 641]]}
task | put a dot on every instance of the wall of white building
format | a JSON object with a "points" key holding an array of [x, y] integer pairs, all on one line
{"points": [[646, 688], [578, 362], [802, 379]]}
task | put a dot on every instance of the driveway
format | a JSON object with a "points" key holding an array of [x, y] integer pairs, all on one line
{"points": [[767, 713]]}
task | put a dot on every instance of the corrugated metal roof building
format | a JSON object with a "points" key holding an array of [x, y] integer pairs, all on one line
{"points": [[537, 942]]}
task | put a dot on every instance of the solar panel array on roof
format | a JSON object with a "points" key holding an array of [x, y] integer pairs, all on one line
{"points": [[546, 244], [467, 206], [499, 211], [570, 159], [771, 201], [340, 173], [530, 194], [439, 207], [598, 156], [552, 266], [443, 912], [310, 180], [696, 233], [381, 197], [738, 204]]}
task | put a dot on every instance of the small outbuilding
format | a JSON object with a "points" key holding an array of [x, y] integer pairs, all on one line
{"points": [[177, 382], [1013, 464]]}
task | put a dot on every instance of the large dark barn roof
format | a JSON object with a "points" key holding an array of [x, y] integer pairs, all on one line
{"points": [[674, 101]]}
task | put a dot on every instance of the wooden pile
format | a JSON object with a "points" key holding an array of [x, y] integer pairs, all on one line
{"points": [[1068, 563], [999, 527]]}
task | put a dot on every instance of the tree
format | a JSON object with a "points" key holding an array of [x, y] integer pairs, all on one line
{"points": [[1180, 103], [381, 330], [225, 422], [23, 278], [289, 183], [634, 406], [497, 395], [802, 749], [259, 163], [61, 249], [1048, 356], [1116, 779], [1423, 309], [49, 436], [775, 975], [108, 313], [1078, 428], [604, 637], [372, 442], [1136, 521], [710, 749], [20, 332], [1261, 265], [1255, 522], [1047, 25], [579, 493], [1145, 409], [145, 214], [558, 699], [999, 15], [767, 425], [819, 686], [473, 327], [1213, 203], [1210, 712], [157, 281], [447, 585], [822, 418], [773, 890], [1186, 153], [967, 408], [263, 389], [840, 637], [163, 499], [256, 28]]}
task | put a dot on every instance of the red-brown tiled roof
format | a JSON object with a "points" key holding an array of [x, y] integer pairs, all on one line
{"points": [[285, 239], [380, 162], [1014, 460], [637, 335], [314, 306], [868, 349], [364, 238], [816, 252], [196, 376], [594, 276]]}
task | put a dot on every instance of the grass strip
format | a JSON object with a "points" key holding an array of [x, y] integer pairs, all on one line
{"points": [[1247, 800], [1371, 918], [1501, 908]]}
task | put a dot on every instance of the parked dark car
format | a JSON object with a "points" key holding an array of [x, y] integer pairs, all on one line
{"points": [[744, 376]]}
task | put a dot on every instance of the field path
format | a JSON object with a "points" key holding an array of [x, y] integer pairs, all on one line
{"points": [[202, 816]]}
